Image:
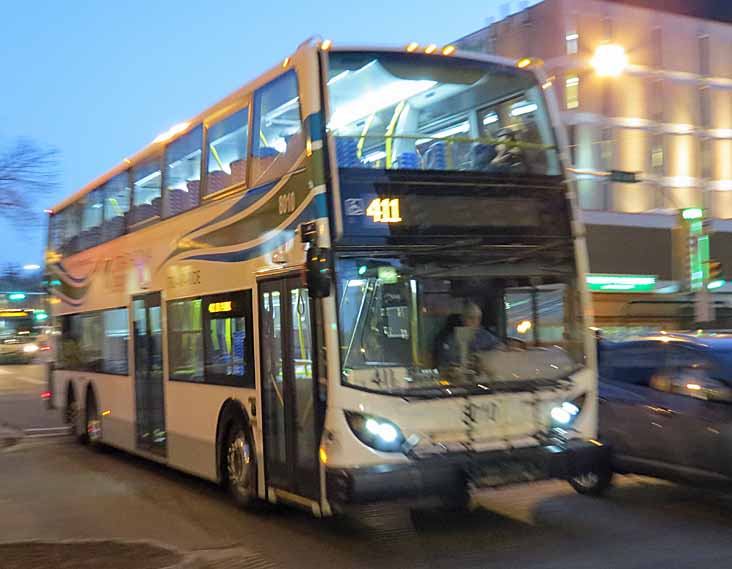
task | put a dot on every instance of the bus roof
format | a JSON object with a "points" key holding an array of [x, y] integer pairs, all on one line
{"points": [[230, 102]]}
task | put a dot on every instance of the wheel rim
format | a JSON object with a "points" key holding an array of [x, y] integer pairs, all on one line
{"points": [[239, 460], [94, 429], [587, 480]]}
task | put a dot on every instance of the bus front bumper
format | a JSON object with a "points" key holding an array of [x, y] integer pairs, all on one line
{"points": [[443, 474]]}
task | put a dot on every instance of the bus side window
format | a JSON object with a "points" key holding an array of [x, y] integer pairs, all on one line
{"points": [[277, 137]]}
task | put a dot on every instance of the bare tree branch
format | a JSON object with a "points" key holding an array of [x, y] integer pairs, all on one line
{"points": [[28, 172]]}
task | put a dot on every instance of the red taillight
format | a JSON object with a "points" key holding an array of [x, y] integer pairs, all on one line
{"points": [[45, 348], [46, 395]]}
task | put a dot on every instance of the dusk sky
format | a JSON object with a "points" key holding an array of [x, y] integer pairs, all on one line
{"points": [[98, 80]]}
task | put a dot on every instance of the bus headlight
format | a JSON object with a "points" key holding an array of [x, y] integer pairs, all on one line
{"points": [[375, 432], [564, 415], [30, 348]]}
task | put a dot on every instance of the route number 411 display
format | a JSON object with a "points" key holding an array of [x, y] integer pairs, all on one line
{"points": [[384, 210]]}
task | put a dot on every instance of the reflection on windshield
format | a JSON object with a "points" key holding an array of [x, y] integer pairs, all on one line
{"points": [[408, 111], [403, 330]]}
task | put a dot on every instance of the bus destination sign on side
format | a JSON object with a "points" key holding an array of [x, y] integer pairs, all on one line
{"points": [[215, 307]]}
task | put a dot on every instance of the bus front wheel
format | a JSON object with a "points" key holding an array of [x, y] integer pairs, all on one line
{"points": [[593, 483], [241, 466]]}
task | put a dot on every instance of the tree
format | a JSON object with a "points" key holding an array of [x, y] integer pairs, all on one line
{"points": [[28, 171]]}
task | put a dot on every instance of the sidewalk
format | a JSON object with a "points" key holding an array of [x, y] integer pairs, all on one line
{"points": [[88, 555], [117, 554]]}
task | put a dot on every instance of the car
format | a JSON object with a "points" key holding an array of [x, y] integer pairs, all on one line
{"points": [[666, 409]]}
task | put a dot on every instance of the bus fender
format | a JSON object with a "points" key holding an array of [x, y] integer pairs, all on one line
{"points": [[232, 410]]}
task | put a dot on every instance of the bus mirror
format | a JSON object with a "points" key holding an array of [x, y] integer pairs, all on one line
{"points": [[319, 271]]}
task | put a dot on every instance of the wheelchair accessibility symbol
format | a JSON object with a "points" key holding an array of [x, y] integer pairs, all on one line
{"points": [[354, 206]]}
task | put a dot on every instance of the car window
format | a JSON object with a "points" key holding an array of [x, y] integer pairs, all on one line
{"points": [[633, 363]]}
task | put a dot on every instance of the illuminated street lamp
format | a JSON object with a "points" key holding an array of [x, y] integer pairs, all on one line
{"points": [[610, 60]]}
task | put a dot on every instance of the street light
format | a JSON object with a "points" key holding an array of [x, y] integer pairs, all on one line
{"points": [[610, 60]]}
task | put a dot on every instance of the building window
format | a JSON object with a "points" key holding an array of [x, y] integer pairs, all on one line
{"points": [[705, 107], [657, 48], [607, 27], [571, 91], [572, 141], [706, 151], [183, 173], [657, 155], [704, 61], [572, 43], [210, 339], [606, 148], [227, 152]]}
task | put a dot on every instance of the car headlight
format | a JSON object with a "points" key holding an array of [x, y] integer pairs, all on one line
{"points": [[564, 415], [30, 348], [375, 432]]}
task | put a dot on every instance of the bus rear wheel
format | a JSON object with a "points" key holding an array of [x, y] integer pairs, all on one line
{"points": [[241, 466], [92, 422]]}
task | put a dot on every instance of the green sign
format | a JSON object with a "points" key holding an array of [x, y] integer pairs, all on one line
{"points": [[621, 283], [388, 275], [692, 213]]}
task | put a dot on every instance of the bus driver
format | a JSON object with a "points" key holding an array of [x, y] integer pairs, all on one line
{"points": [[466, 340]]}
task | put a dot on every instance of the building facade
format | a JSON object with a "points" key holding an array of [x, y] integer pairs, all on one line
{"points": [[667, 116]]}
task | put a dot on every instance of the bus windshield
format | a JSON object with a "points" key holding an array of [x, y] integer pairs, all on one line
{"points": [[406, 328], [15, 324], [419, 112]]}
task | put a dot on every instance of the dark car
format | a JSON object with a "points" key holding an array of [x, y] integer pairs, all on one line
{"points": [[666, 408]]}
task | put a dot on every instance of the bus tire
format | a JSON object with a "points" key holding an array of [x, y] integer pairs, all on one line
{"points": [[71, 415], [240, 465], [593, 483], [92, 421]]}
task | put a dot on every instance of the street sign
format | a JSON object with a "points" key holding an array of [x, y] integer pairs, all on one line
{"points": [[621, 283]]}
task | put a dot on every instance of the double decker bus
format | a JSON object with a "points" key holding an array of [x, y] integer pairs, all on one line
{"points": [[22, 335], [359, 277]]}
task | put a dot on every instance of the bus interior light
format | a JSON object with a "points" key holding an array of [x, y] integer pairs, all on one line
{"points": [[523, 63], [448, 50], [326, 45], [430, 49], [412, 47], [381, 98]]}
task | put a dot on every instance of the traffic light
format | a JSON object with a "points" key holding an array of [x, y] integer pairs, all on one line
{"points": [[715, 270]]}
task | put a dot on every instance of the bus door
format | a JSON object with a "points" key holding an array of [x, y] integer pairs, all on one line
{"points": [[289, 404], [149, 403]]}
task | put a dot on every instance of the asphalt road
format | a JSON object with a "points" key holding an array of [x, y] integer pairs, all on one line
{"points": [[20, 399], [51, 488]]}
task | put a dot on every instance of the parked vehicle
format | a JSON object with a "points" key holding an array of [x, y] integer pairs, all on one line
{"points": [[666, 408]]}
